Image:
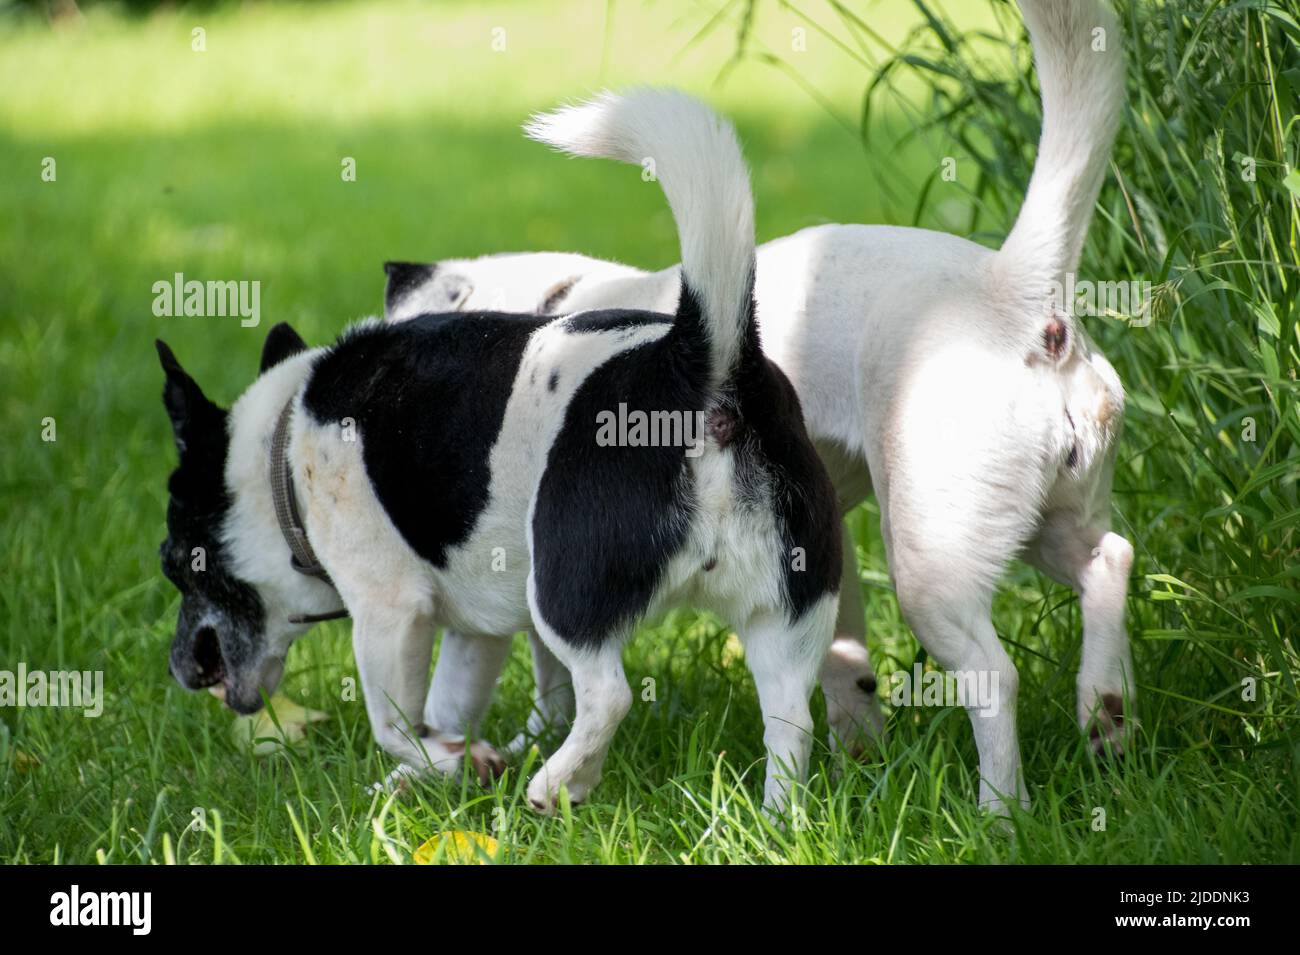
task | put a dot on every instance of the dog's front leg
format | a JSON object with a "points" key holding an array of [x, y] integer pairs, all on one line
{"points": [[460, 693], [393, 646]]}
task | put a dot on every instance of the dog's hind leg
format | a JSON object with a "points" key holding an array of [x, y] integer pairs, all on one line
{"points": [[784, 659], [950, 614], [1096, 563], [603, 698], [393, 646], [552, 698], [848, 681]]}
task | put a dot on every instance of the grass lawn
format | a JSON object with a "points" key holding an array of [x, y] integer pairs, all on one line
{"points": [[225, 164]]}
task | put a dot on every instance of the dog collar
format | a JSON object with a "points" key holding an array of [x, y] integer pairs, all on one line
{"points": [[303, 558]]}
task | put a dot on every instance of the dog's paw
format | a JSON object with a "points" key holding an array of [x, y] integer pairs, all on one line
{"points": [[445, 757], [542, 796], [1110, 732], [857, 725], [449, 755], [544, 791]]}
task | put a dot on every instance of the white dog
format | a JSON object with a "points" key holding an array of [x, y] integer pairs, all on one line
{"points": [[943, 377]]}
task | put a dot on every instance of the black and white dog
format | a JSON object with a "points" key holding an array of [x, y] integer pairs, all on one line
{"points": [[945, 377], [460, 471]]}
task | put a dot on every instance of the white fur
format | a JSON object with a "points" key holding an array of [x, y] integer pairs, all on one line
{"points": [[1080, 63], [502, 283], [251, 535]]}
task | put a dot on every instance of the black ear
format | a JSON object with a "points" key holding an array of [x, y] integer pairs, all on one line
{"points": [[403, 278], [187, 406], [281, 342], [440, 290]]}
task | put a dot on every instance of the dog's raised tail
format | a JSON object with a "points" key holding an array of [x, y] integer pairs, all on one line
{"points": [[694, 155], [1080, 63]]}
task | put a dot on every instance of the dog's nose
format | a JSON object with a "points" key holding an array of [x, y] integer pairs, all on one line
{"points": [[197, 662], [207, 655]]}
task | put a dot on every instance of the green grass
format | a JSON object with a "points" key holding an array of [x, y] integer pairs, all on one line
{"points": [[226, 165]]}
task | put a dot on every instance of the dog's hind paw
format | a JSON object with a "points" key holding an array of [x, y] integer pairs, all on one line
{"points": [[1110, 732], [544, 789]]}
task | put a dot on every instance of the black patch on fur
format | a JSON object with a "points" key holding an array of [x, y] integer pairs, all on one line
{"points": [[194, 418], [691, 326], [403, 278], [773, 440], [608, 519], [214, 602], [1073, 458], [553, 380], [428, 396], [281, 342], [613, 318]]}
